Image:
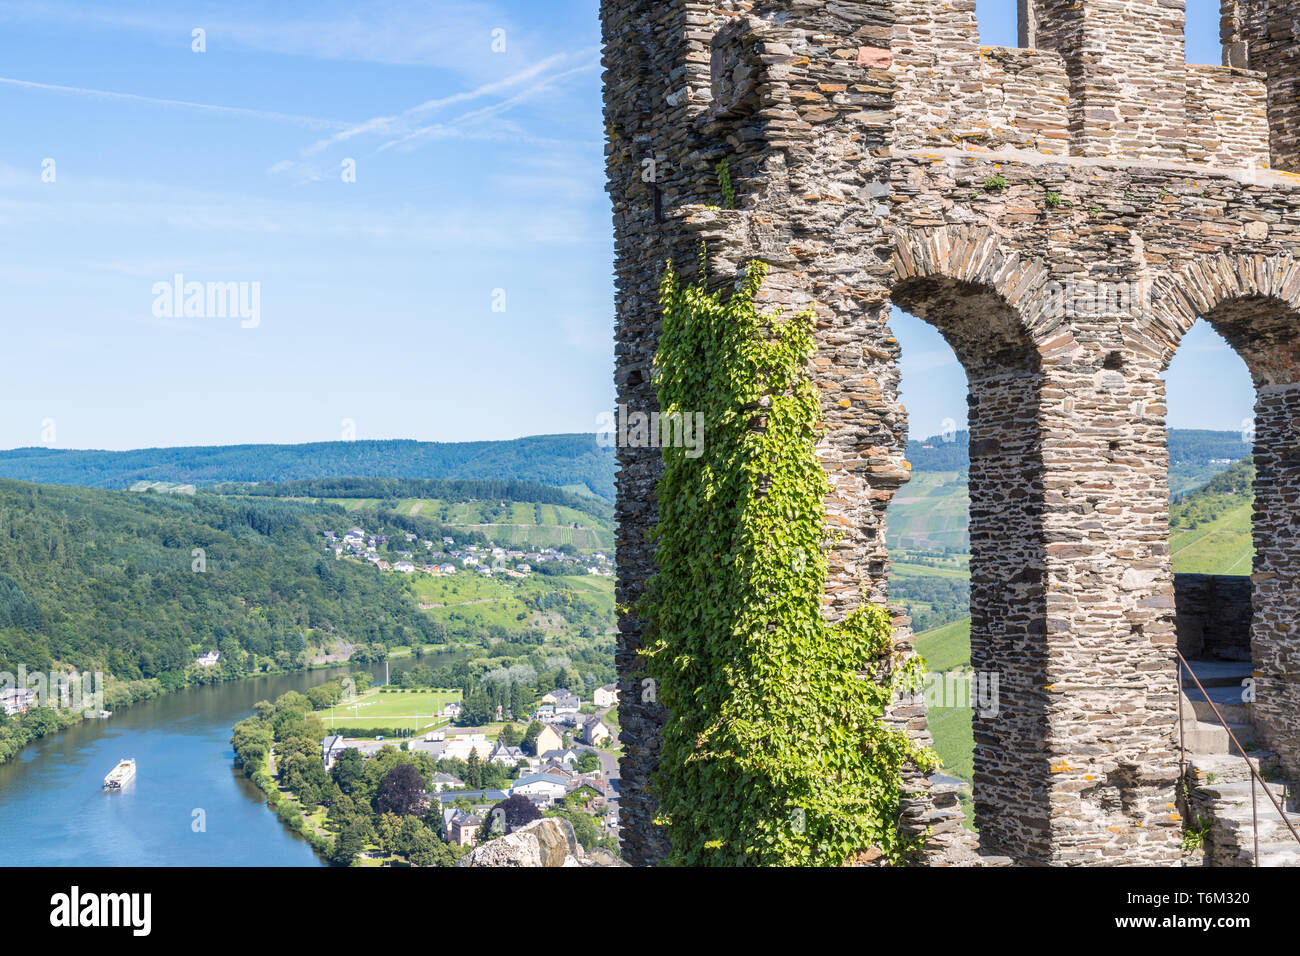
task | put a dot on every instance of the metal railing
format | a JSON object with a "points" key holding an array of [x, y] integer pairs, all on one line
{"points": [[1256, 781]]}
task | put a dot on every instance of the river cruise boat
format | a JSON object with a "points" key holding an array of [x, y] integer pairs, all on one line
{"points": [[120, 775]]}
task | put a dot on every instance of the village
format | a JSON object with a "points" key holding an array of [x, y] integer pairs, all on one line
{"points": [[566, 757], [446, 558]]}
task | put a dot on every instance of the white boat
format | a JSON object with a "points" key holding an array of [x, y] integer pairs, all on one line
{"points": [[120, 775]]}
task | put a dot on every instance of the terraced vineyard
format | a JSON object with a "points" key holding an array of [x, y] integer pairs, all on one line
{"points": [[519, 523]]}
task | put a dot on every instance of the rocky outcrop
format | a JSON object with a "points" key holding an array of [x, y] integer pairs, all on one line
{"points": [[548, 842]]}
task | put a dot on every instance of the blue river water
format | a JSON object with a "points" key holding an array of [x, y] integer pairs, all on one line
{"points": [[54, 812]]}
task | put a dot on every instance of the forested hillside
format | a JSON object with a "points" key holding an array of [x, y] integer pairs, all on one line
{"points": [[392, 491], [112, 581], [573, 461]]}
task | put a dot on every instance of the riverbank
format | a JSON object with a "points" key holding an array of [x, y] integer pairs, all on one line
{"points": [[21, 730], [289, 810]]}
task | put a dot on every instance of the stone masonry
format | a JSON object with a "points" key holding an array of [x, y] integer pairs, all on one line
{"points": [[1062, 214]]}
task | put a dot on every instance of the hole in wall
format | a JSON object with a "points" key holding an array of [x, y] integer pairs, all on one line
{"points": [[1204, 45], [999, 23]]}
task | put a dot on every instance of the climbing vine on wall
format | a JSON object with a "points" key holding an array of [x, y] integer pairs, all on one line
{"points": [[775, 751]]}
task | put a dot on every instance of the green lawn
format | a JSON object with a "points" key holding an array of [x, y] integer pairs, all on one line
{"points": [[414, 709], [1222, 546], [947, 647], [469, 598], [944, 649]]}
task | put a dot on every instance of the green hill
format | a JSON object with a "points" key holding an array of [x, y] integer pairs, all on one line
{"points": [[559, 460], [1210, 527], [138, 584]]}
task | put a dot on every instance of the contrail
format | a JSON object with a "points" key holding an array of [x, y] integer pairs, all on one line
{"points": [[308, 121]]}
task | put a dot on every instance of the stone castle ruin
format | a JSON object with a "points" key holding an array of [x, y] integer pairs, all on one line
{"points": [[1062, 213]]}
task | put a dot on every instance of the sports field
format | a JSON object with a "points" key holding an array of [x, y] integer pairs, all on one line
{"points": [[378, 707]]}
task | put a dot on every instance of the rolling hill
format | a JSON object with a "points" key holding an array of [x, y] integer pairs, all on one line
{"points": [[575, 462]]}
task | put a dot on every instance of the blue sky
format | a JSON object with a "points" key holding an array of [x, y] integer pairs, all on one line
{"points": [[476, 171]]}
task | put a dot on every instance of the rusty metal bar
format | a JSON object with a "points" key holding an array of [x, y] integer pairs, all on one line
{"points": [[1254, 774]]}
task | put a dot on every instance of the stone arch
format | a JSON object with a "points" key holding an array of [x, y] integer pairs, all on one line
{"points": [[989, 306], [1254, 303], [975, 258]]}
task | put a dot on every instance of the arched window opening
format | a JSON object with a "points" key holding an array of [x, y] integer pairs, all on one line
{"points": [[963, 536], [928, 529]]}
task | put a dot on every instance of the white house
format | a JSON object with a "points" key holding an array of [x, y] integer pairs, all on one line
{"points": [[208, 659], [506, 756], [16, 700], [606, 696], [459, 748], [544, 785]]}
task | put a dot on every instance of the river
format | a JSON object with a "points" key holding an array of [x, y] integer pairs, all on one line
{"points": [[53, 811]]}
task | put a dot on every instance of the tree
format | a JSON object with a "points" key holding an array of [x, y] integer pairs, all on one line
{"points": [[401, 791], [388, 832], [530, 738], [519, 811], [588, 762], [350, 841], [584, 827], [349, 771], [425, 849], [474, 771], [511, 735]]}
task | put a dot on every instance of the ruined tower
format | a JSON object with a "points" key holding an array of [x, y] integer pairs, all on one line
{"points": [[1062, 213]]}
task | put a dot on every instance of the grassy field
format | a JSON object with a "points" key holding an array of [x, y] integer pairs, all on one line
{"points": [[930, 512], [510, 523], [414, 709], [468, 598], [944, 649], [1222, 546]]}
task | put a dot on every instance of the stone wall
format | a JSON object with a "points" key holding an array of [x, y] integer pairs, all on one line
{"points": [[1264, 35], [869, 169], [1227, 117], [1213, 616]]}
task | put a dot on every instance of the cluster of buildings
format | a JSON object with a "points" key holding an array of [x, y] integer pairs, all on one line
{"points": [[445, 558], [544, 789], [17, 700], [546, 778]]}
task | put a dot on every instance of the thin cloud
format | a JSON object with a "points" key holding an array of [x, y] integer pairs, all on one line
{"points": [[385, 124], [445, 130], [234, 111]]}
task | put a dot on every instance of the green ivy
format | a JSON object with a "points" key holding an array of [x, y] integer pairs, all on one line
{"points": [[724, 183], [775, 751]]}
